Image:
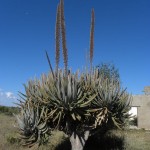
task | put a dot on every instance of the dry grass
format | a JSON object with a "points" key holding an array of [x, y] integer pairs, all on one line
{"points": [[114, 140], [9, 137], [137, 140], [7, 130]]}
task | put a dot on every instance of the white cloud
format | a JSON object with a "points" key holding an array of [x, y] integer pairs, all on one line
{"points": [[10, 95], [7, 98]]}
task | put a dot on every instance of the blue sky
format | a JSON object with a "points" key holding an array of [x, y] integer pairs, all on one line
{"points": [[27, 29]]}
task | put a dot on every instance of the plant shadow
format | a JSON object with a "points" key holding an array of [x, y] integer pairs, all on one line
{"points": [[65, 145], [111, 140], [108, 141]]}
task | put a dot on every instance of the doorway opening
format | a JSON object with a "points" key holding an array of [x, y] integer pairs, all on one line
{"points": [[134, 116]]}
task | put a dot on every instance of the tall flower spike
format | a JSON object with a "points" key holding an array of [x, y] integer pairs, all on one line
{"points": [[49, 63], [63, 33], [57, 38], [92, 37]]}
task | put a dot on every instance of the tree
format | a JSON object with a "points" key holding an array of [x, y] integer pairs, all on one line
{"points": [[109, 71], [146, 90], [79, 104]]}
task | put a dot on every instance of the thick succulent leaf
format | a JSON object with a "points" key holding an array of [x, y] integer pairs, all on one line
{"points": [[73, 116], [42, 126], [91, 98], [116, 123], [20, 122]]}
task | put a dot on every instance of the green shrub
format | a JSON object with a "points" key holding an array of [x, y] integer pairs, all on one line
{"points": [[9, 110]]}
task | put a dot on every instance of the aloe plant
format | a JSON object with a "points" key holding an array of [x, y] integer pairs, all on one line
{"points": [[79, 104], [33, 127], [113, 97], [67, 105]]}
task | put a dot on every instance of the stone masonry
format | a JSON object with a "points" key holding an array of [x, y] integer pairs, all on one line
{"points": [[142, 102]]}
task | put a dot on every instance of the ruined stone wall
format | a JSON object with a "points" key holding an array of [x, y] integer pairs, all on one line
{"points": [[142, 102]]}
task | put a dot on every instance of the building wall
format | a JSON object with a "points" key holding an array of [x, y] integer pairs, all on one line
{"points": [[143, 110]]}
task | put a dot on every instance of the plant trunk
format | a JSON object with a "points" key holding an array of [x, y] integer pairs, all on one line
{"points": [[78, 141]]}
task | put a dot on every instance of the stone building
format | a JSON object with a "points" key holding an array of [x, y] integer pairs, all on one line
{"points": [[142, 102]]}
